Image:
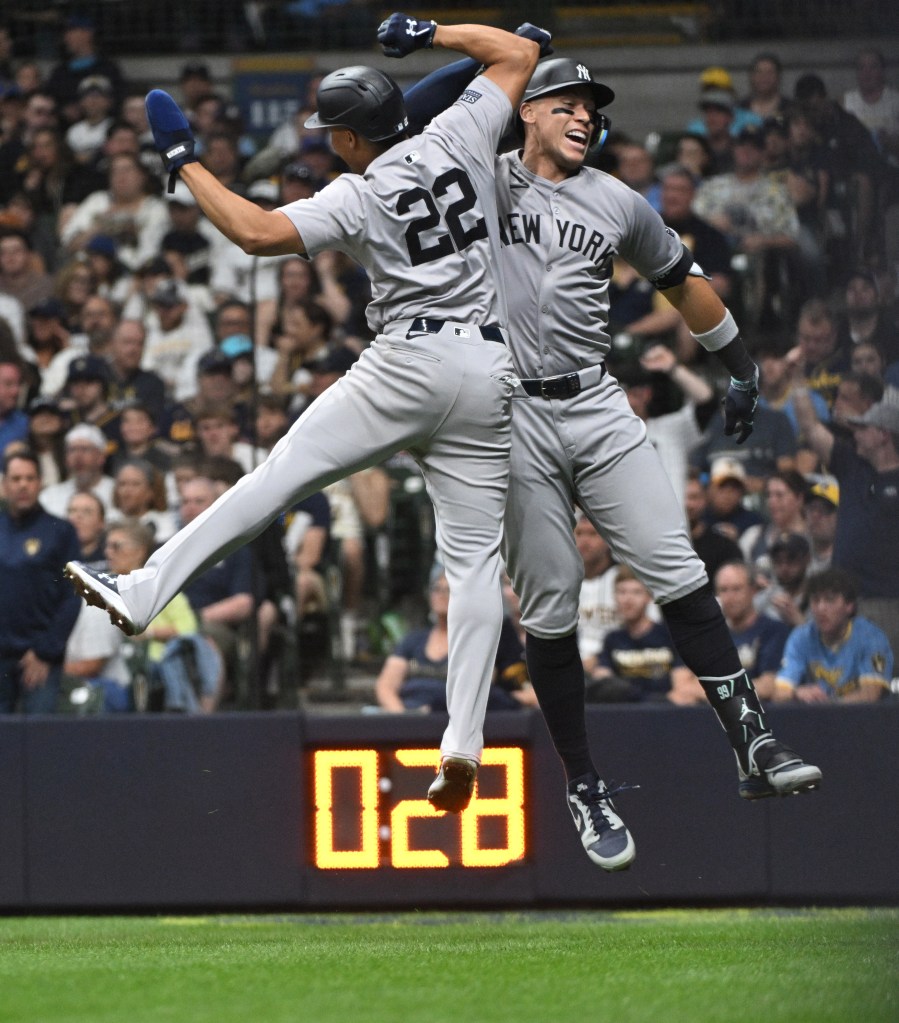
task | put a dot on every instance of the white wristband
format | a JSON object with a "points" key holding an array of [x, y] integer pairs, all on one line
{"points": [[715, 339]]}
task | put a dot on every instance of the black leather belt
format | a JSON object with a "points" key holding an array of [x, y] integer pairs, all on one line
{"points": [[565, 386], [425, 325]]}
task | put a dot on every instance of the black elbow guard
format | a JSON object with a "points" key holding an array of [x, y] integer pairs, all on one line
{"points": [[677, 274]]}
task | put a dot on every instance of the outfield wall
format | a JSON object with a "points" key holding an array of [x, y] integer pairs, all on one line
{"points": [[167, 813]]}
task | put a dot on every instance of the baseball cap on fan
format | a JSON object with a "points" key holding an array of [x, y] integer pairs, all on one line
{"points": [[717, 98], [884, 415], [728, 469], [825, 489], [716, 78], [263, 190]]}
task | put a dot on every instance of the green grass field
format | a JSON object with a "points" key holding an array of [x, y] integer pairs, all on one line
{"points": [[758, 966]]}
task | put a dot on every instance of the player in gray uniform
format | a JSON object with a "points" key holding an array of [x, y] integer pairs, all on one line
{"points": [[420, 215], [576, 441]]}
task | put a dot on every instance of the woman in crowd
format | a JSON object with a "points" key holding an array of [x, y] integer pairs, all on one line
{"points": [[125, 212], [88, 515], [139, 495], [785, 494], [46, 432], [74, 285]]}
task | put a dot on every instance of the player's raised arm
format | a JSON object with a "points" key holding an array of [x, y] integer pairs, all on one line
{"points": [[256, 231], [509, 60]]}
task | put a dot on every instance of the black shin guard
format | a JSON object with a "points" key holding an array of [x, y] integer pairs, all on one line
{"points": [[557, 675], [701, 637], [740, 712]]}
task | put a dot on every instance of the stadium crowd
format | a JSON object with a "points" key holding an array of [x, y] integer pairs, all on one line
{"points": [[147, 363]]}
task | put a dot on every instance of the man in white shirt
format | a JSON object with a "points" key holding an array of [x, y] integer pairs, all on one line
{"points": [[85, 457]]}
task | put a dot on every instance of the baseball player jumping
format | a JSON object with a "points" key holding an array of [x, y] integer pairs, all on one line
{"points": [[576, 442], [419, 213]]}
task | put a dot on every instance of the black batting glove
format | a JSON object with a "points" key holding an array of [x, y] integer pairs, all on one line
{"points": [[399, 35], [538, 35], [171, 133], [739, 406]]}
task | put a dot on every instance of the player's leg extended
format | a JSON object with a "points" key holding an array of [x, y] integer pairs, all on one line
{"points": [[466, 468], [380, 406], [633, 505], [546, 571]]}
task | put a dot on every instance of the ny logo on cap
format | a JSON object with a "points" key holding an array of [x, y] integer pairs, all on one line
{"points": [[583, 72]]}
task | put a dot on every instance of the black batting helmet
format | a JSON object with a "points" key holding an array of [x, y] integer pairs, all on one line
{"points": [[362, 99], [563, 73]]}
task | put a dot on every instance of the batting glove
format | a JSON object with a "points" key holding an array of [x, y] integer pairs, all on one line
{"points": [[399, 35], [739, 407], [171, 133], [538, 35]]}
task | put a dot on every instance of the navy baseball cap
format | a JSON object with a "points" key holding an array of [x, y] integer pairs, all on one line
{"points": [[49, 309], [338, 360], [214, 361], [167, 294], [792, 546], [102, 245], [44, 403], [194, 69], [88, 367]]}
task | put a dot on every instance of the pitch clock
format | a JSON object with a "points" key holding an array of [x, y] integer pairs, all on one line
{"points": [[370, 811]]}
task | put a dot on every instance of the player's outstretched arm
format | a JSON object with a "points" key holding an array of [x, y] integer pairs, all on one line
{"points": [[509, 60], [255, 230]]}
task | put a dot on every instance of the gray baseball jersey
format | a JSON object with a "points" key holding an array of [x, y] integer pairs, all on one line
{"points": [[422, 220], [588, 449]]}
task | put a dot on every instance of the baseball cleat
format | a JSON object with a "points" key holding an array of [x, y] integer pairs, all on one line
{"points": [[99, 589], [451, 790], [603, 833], [775, 770]]}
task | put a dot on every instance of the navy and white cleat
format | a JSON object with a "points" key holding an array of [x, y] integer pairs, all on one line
{"points": [[775, 770], [603, 833], [99, 589], [452, 789]]}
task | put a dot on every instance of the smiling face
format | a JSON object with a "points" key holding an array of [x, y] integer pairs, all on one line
{"points": [[558, 129]]}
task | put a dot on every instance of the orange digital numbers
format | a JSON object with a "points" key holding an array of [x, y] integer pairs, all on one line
{"points": [[363, 821], [365, 849]]}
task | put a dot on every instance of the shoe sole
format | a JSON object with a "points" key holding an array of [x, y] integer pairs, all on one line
{"points": [[616, 863], [451, 791], [805, 779], [84, 587]]}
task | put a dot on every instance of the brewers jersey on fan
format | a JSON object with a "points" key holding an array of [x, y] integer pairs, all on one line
{"points": [[558, 242], [423, 259]]}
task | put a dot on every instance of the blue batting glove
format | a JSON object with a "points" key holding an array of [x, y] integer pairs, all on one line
{"points": [[399, 35], [739, 407], [171, 133], [538, 35]]}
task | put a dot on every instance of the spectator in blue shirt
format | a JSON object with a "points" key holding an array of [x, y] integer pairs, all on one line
{"points": [[638, 662], [37, 606], [13, 421], [759, 639], [836, 655]]}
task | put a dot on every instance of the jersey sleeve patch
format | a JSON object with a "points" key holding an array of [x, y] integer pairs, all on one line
{"points": [[470, 96]]}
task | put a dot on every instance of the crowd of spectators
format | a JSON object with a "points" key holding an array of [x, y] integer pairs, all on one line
{"points": [[147, 363]]}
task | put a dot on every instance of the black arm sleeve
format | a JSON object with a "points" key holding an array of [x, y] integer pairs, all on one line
{"points": [[736, 360]]}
